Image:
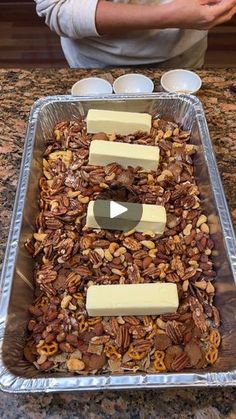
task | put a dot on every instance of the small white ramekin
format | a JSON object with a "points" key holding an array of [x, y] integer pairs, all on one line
{"points": [[133, 83], [91, 86], [181, 81]]}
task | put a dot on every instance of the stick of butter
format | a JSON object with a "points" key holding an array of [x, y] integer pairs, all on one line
{"points": [[126, 216], [122, 123], [103, 152], [132, 299]]}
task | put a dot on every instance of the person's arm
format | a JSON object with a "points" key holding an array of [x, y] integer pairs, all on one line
{"points": [[70, 18], [114, 18], [84, 18]]}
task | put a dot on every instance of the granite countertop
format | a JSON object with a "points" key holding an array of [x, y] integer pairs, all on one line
{"points": [[18, 90]]}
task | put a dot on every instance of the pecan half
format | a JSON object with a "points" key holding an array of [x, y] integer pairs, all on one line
{"points": [[198, 314], [122, 338], [180, 362], [173, 330], [132, 244]]}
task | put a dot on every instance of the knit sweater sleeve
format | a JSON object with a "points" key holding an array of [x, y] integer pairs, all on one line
{"points": [[69, 18]]}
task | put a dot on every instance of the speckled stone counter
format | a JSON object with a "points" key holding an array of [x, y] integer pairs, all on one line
{"points": [[18, 90]]}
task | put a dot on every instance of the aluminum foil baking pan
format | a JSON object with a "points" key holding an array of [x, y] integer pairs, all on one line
{"points": [[16, 375]]}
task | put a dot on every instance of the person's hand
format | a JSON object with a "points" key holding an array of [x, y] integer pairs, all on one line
{"points": [[199, 14]]}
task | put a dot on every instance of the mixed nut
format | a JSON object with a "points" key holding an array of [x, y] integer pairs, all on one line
{"points": [[69, 258]]}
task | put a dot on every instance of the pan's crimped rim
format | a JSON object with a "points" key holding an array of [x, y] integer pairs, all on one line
{"points": [[14, 384]]}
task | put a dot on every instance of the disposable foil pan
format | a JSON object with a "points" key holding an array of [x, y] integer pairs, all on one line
{"points": [[16, 375]]}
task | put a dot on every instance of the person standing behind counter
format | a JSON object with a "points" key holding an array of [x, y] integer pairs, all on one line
{"points": [[99, 33]]}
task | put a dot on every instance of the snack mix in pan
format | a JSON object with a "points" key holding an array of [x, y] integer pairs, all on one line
{"points": [[69, 258]]}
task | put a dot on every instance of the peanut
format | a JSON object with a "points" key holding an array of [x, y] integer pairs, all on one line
{"points": [[73, 194], [196, 205], [110, 177], [187, 229], [103, 185], [185, 285], [120, 251], [152, 253], [168, 134], [65, 301], [148, 243], [150, 178], [202, 219], [83, 199], [201, 285], [40, 236], [129, 233], [204, 228], [210, 289], [54, 205], [117, 272], [108, 255], [161, 324], [164, 175], [113, 247]]}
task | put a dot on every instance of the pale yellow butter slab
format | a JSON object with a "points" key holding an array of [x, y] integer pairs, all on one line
{"points": [[132, 299], [103, 152], [122, 123], [153, 217]]}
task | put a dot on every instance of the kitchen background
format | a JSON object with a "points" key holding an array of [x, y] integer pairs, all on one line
{"points": [[26, 41]]}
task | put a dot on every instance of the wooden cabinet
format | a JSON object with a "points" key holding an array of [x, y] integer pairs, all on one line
{"points": [[222, 45], [16, 1]]}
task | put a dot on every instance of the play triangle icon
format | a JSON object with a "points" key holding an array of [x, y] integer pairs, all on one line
{"points": [[116, 209]]}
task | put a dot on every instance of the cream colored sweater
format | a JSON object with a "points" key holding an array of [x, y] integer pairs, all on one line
{"points": [[74, 22]]}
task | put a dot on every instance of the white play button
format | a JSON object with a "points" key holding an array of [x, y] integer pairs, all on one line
{"points": [[112, 213], [116, 209]]}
